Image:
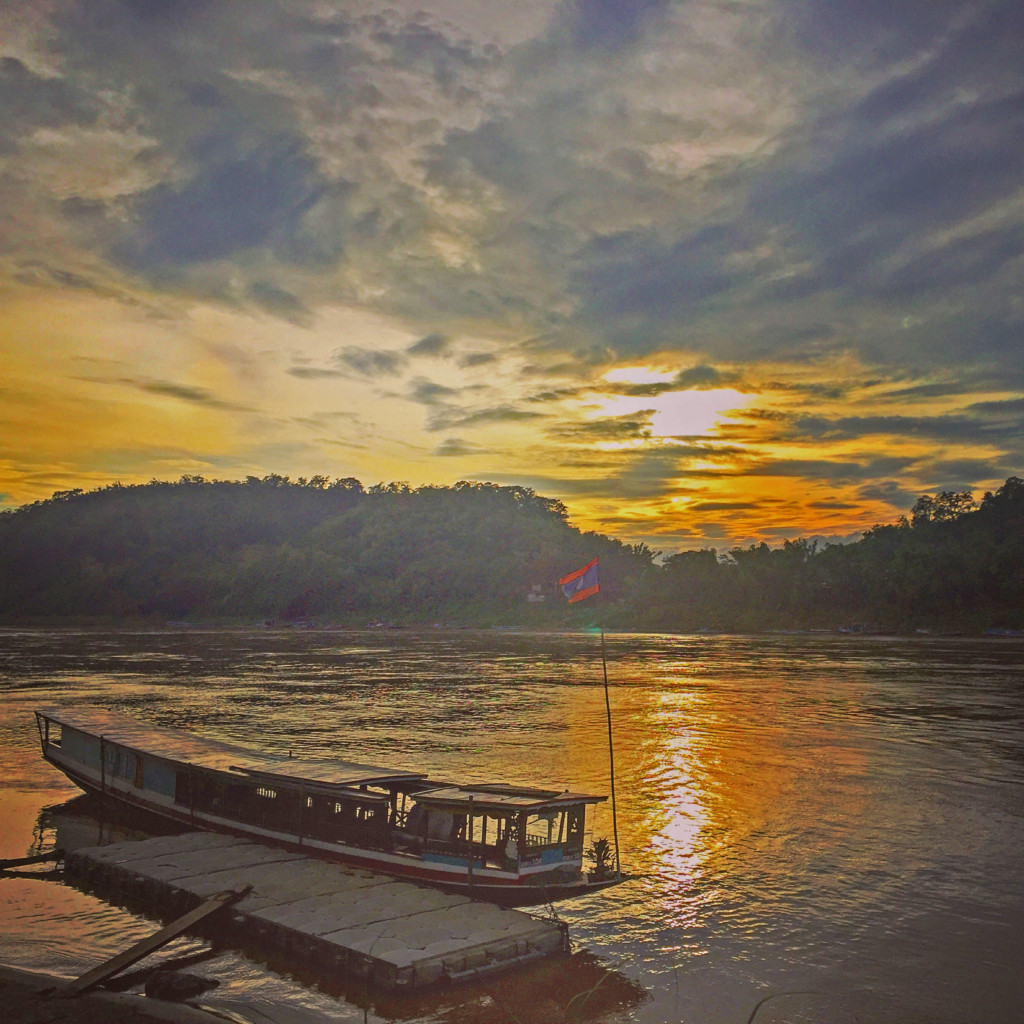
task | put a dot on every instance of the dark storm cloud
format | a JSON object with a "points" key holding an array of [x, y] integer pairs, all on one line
{"points": [[650, 475], [955, 428], [233, 202], [965, 262], [1012, 408], [962, 474], [640, 473], [29, 101], [166, 14], [880, 30], [609, 25], [889, 491], [865, 207], [634, 273], [887, 187], [421, 45], [835, 470]]}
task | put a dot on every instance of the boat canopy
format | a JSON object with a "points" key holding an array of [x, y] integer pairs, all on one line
{"points": [[185, 748], [328, 774], [501, 800]]}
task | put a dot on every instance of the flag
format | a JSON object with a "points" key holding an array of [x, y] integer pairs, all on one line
{"points": [[581, 583]]}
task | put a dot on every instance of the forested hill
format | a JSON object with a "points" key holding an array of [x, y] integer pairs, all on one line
{"points": [[273, 549], [478, 554]]}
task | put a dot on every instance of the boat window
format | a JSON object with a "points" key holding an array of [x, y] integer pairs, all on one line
{"points": [[266, 791], [122, 763], [54, 733], [545, 829]]}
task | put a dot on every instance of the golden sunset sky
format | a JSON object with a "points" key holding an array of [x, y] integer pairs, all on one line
{"points": [[709, 272]]}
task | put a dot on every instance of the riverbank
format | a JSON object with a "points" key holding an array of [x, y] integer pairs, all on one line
{"points": [[27, 998]]}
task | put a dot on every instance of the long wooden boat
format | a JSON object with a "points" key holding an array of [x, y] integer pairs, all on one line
{"points": [[509, 844]]}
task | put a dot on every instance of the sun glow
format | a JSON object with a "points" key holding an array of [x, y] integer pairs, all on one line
{"points": [[681, 413], [638, 375], [678, 413]]}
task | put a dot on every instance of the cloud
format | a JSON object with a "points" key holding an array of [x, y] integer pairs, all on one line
{"points": [[817, 204], [954, 427], [835, 470], [701, 377], [232, 203], [427, 392], [29, 101], [279, 302], [446, 419], [609, 25], [619, 428], [473, 359], [315, 372], [431, 345], [456, 446], [833, 506], [38, 273], [962, 474], [191, 394], [724, 506], [371, 362], [880, 201], [891, 492]]}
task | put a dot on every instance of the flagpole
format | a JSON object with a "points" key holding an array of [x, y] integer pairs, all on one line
{"points": [[611, 754]]}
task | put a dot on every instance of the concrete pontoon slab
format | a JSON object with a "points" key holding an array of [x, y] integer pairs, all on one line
{"points": [[398, 933], [182, 843], [170, 867], [278, 883]]}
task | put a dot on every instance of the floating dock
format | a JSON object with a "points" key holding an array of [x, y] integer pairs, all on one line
{"points": [[394, 934]]}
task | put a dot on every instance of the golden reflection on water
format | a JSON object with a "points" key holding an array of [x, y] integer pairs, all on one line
{"points": [[834, 814]]}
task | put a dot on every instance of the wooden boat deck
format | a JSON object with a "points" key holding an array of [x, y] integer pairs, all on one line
{"points": [[396, 934]]}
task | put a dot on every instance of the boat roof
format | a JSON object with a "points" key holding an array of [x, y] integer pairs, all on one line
{"points": [[218, 755], [500, 798]]}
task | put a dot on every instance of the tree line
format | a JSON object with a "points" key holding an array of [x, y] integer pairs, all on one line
{"points": [[321, 551]]}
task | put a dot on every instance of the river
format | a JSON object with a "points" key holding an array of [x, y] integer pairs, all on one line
{"points": [[832, 824]]}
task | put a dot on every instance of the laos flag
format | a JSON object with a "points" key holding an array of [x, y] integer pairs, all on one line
{"points": [[581, 583]]}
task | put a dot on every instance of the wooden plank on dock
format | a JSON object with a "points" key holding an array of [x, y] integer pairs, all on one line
{"points": [[396, 933], [39, 858], [150, 944]]}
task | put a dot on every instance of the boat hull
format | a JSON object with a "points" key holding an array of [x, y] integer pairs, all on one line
{"points": [[511, 892]]}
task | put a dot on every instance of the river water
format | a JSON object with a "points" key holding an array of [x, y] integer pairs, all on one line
{"points": [[834, 825]]}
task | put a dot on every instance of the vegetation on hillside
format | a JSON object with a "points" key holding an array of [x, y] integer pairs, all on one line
{"points": [[317, 550]]}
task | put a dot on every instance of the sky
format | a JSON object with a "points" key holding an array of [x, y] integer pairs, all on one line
{"points": [[710, 272]]}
